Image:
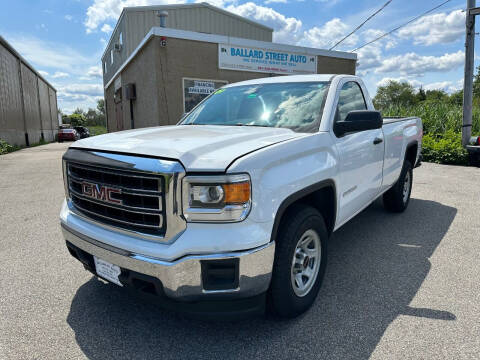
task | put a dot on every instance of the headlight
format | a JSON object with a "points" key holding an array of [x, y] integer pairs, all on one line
{"points": [[216, 198]]}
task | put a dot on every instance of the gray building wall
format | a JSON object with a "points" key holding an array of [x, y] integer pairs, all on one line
{"points": [[158, 74], [11, 117], [135, 23], [32, 110], [28, 104]]}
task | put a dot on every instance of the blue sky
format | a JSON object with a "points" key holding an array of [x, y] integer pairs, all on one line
{"points": [[65, 39]]}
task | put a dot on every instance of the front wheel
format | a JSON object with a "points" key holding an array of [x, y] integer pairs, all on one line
{"points": [[397, 198], [300, 261]]}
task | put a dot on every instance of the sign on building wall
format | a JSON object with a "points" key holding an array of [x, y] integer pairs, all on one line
{"points": [[195, 90], [242, 58]]}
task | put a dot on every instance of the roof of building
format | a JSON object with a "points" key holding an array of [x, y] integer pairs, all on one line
{"points": [[213, 38], [10, 48], [194, 5], [180, 6]]}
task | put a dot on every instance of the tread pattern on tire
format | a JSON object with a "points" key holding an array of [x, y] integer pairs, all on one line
{"points": [[393, 198], [282, 300]]}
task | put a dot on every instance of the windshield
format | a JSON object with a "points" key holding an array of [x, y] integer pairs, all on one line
{"points": [[297, 106]]}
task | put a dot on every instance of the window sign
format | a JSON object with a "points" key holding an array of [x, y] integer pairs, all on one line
{"points": [[195, 90], [242, 58]]}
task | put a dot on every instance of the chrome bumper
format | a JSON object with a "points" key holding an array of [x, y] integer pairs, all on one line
{"points": [[182, 279]]}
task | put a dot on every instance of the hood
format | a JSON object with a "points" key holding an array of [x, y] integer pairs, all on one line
{"points": [[197, 147]]}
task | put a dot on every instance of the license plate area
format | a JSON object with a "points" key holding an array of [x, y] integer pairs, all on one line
{"points": [[107, 270]]}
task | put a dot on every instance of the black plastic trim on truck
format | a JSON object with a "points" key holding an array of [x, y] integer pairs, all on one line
{"points": [[300, 195], [410, 145]]}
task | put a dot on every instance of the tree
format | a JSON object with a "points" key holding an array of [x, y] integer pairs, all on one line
{"points": [[77, 119], [436, 95], [101, 106], [395, 93], [78, 111], [476, 84], [421, 96], [456, 97]]}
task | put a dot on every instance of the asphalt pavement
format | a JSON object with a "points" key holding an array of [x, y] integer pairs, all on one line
{"points": [[397, 286]]}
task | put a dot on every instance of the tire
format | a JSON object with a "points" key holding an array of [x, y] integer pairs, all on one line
{"points": [[285, 298], [397, 198]]}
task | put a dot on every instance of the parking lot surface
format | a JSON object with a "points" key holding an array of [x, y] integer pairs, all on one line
{"points": [[397, 286]]}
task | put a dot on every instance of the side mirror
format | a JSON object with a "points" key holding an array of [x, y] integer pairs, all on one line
{"points": [[358, 120]]}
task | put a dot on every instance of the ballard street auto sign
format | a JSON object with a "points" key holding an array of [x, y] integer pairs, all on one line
{"points": [[264, 60]]}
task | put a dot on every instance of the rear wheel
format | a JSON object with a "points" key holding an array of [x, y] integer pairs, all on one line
{"points": [[300, 261], [397, 198]]}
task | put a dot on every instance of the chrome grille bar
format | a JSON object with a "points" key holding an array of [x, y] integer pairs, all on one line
{"points": [[141, 208], [149, 189], [117, 220]]}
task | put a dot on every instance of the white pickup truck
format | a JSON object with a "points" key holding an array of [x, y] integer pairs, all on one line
{"points": [[235, 204]]}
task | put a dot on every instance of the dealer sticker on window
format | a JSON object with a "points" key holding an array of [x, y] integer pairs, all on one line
{"points": [[107, 271]]}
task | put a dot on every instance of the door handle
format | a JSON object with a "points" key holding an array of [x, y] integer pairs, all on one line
{"points": [[377, 141]]}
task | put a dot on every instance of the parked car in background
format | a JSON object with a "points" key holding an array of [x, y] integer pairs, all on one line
{"points": [[235, 204], [68, 134], [82, 131]]}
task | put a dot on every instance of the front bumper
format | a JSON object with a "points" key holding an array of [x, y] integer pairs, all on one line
{"points": [[184, 279]]}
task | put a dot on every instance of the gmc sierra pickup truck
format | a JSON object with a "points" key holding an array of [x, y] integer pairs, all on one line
{"points": [[235, 204]]}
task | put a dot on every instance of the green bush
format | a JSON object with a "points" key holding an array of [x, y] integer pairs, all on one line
{"points": [[97, 130], [444, 149], [5, 147]]}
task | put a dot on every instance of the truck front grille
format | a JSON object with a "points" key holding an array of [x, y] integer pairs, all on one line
{"points": [[126, 199]]}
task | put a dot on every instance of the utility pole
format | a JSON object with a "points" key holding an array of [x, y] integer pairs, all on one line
{"points": [[469, 64]]}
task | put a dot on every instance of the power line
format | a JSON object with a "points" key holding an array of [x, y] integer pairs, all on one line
{"points": [[399, 27], [363, 23]]}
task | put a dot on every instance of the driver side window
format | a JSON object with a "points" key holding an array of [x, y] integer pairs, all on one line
{"points": [[350, 98]]}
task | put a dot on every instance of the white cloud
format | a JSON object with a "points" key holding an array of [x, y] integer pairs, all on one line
{"points": [[95, 71], [447, 86], [328, 34], [276, 1], [414, 64], [436, 29], [286, 29], [43, 73], [106, 28], [48, 54], [105, 10], [415, 83], [78, 95], [68, 17], [81, 89], [60, 75]]}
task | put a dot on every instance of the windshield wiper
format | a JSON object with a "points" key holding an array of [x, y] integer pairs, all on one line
{"points": [[257, 125]]}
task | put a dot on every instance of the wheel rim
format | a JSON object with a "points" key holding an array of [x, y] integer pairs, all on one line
{"points": [[406, 187], [306, 263]]}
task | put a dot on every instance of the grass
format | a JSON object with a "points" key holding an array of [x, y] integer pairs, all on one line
{"points": [[97, 130], [6, 148], [438, 117], [442, 128]]}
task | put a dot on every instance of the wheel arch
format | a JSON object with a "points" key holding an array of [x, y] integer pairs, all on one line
{"points": [[411, 152], [321, 196]]}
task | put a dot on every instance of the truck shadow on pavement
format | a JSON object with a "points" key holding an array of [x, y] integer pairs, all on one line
{"points": [[377, 263]]}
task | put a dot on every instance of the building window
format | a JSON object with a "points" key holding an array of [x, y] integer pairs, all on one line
{"points": [[111, 56], [120, 39], [195, 90], [104, 67]]}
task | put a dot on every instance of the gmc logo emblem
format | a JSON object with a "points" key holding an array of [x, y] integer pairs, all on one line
{"points": [[102, 193]]}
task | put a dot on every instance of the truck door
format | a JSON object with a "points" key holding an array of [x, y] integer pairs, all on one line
{"points": [[361, 157]]}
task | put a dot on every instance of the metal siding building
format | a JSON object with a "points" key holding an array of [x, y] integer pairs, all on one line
{"points": [[134, 24], [28, 103], [172, 68]]}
